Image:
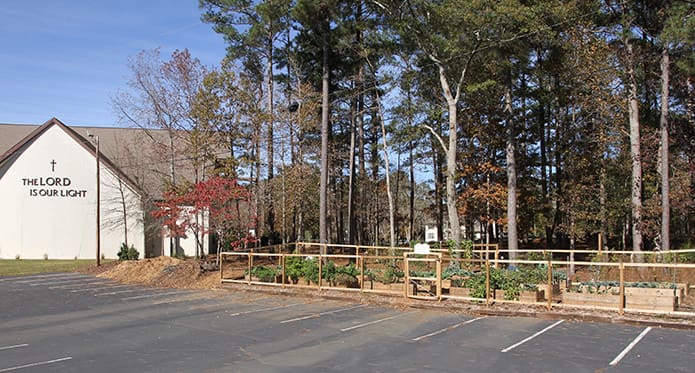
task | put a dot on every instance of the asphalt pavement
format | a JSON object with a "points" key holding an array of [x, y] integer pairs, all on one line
{"points": [[67, 322]]}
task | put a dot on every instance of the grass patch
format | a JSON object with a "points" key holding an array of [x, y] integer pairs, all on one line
{"points": [[13, 267]]}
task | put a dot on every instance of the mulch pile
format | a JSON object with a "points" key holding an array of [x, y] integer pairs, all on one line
{"points": [[160, 272]]}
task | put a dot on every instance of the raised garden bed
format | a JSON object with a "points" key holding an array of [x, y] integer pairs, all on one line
{"points": [[376, 285], [543, 289], [591, 299], [525, 296], [653, 299], [648, 299]]}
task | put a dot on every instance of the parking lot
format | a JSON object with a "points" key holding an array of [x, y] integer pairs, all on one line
{"points": [[68, 322]]}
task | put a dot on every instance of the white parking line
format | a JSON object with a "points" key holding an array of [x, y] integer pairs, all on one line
{"points": [[376, 321], [154, 295], [630, 346], [78, 285], [36, 364], [61, 281], [269, 308], [38, 276], [15, 346], [118, 292], [448, 328], [532, 337], [100, 288], [315, 315], [57, 278]]}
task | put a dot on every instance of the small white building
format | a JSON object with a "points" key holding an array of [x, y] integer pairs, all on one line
{"points": [[48, 194]]}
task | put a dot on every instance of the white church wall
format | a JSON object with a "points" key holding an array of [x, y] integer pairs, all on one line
{"points": [[117, 197], [186, 245], [48, 199]]}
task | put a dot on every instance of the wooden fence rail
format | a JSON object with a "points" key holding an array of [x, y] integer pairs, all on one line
{"points": [[610, 286]]}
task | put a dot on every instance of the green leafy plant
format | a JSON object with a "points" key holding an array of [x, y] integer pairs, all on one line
{"points": [[310, 270], [422, 273], [346, 275], [328, 272], [388, 275], [264, 273], [477, 285], [294, 268], [128, 253], [455, 271]]}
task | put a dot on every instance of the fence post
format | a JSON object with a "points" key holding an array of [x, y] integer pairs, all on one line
{"points": [[497, 256], [250, 254], [320, 269], [406, 278], [439, 277], [487, 282], [361, 260], [621, 303], [550, 285], [221, 267], [282, 264]]}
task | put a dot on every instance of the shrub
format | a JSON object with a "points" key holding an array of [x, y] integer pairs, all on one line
{"points": [[128, 253], [264, 273], [294, 268], [454, 270], [328, 272], [310, 270], [476, 283], [391, 275], [346, 275]]}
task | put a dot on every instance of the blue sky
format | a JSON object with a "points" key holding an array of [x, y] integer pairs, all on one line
{"points": [[66, 59]]}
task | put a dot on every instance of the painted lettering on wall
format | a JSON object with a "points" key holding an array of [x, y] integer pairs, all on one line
{"points": [[52, 186]]}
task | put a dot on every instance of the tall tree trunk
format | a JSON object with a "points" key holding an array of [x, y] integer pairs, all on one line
{"points": [[603, 212], [635, 154], [351, 177], [512, 241], [451, 209], [361, 216], [438, 181], [323, 193], [256, 177], [663, 124], [271, 148], [387, 167], [411, 201]]}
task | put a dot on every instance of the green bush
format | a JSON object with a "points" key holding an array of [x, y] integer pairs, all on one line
{"points": [[128, 253], [310, 270], [264, 273], [349, 269], [294, 268], [345, 275], [328, 272], [388, 275]]}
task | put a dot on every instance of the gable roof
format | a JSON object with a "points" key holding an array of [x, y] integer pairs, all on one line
{"points": [[9, 156]]}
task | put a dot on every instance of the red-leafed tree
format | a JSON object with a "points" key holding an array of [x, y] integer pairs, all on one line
{"points": [[216, 205]]}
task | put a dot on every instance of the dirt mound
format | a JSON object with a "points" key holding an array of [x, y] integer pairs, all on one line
{"points": [[162, 272]]}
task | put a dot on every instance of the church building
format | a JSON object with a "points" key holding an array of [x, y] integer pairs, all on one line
{"points": [[49, 196]]}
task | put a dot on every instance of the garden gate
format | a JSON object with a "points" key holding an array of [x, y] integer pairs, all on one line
{"points": [[419, 279]]}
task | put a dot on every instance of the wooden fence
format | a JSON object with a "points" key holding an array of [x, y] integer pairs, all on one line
{"points": [[485, 275]]}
